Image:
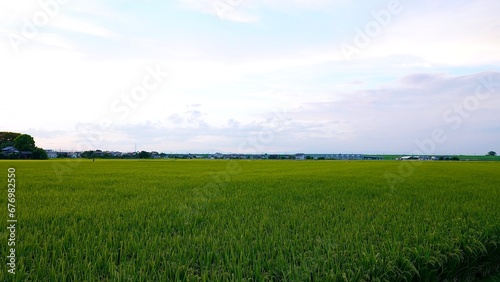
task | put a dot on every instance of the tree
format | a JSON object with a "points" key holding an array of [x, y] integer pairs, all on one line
{"points": [[7, 139], [62, 155], [24, 142], [144, 155], [8, 136], [39, 154], [87, 154], [492, 153]]}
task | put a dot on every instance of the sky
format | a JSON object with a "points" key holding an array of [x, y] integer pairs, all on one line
{"points": [[253, 76]]}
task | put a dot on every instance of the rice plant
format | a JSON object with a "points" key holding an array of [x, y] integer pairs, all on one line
{"points": [[210, 220]]}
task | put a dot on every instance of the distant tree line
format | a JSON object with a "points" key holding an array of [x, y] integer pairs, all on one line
{"points": [[98, 154], [20, 146], [442, 158]]}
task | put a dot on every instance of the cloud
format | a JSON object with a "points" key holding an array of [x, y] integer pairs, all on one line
{"points": [[223, 9], [451, 33], [249, 11], [73, 24], [227, 78], [421, 78], [384, 120]]}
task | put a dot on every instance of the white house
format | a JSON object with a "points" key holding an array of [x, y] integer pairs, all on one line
{"points": [[51, 154], [218, 155], [300, 156], [405, 158]]}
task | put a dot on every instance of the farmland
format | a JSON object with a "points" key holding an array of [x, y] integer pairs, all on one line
{"points": [[201, 220]]}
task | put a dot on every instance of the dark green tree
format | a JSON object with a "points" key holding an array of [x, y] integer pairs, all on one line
{"points": [[62, 155], [7, 139], [144, 155], [492, 153], [24, 142], [39, 154], [87, 154]]}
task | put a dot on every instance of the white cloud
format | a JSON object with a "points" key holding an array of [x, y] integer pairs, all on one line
{"points": [[457, 34], [92, 53], [247, 11], [223, 9], [81, 26], [384, 120]]}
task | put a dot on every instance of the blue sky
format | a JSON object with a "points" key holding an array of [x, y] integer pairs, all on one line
{"points": [[251, 76]]}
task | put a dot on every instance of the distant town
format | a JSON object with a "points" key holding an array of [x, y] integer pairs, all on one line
{"points": [[157, 155], [22, 146], [98, 154]]}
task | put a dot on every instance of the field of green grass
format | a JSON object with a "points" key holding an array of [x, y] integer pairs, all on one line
{"points": [[194, 220]]}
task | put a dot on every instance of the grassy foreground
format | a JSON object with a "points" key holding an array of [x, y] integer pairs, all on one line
{"points": [[253, 221]]}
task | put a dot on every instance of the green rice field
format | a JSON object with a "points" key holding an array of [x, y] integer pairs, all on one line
{"points": [[239, 220]]}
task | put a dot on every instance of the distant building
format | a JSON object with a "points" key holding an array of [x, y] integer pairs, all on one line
{"points": [[74, 155], [51, 154], [406, 158], [10, 150], [300, 156], [218, 156], [373, 158], [116, 154], [26, 154]]}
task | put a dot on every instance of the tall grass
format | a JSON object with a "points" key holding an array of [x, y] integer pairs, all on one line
{"points": [[273, 220]]}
